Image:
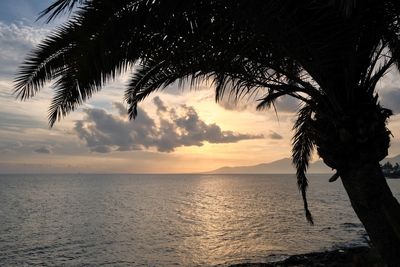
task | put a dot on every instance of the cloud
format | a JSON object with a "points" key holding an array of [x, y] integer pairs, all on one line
{"points": [[103, 132], [10, 120], [275, 135], [284, 104], [287, 104], [10, 146], [121, 109], [230, 103], [46, 149], [390, 98], [27, 147], [159, 104], [16, 40]]}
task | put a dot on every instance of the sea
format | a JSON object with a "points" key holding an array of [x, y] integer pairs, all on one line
{"points": [[170, 220]]}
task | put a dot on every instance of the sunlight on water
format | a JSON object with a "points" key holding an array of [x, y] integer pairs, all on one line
{"points": [[166, 220]]}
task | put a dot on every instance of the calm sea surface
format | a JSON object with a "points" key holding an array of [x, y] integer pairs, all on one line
{"points": [[169, 220]]}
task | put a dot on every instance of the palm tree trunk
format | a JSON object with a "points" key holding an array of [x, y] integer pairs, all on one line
{"points": [[377, 209]]}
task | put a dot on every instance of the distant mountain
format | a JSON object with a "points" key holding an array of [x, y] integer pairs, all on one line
{"points": [[285, 166], [279, 166]]}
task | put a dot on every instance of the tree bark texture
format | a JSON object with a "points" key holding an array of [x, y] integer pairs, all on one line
{"points": [[354, 141], [376, 208]]}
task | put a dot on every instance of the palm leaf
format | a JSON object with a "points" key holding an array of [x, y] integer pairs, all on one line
{"points": [[59, 7], [43, 64], [303, 145]]}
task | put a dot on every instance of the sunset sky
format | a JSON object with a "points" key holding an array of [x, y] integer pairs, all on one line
{"points": [[177, 130]]}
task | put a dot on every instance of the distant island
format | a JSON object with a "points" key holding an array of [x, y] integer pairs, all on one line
{"points": [[390, 168]]}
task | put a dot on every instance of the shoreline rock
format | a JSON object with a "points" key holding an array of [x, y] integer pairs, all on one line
{"points": [[348, 257]]}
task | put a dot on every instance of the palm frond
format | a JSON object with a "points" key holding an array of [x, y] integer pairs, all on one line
{"points": [[58, 8], [43, 63], [391, 31], [379, 74], [79, 55], [150, 77], [302, 147], [276, 91], [69, 94]]}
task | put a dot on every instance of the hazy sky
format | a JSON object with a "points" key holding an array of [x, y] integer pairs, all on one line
{"points": [[175, 131]]}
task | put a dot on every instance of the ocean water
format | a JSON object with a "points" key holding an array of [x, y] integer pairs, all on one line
{"points": [[169, 220]]}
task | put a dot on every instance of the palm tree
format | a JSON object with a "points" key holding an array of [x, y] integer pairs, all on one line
{"points": [[329, 54]]}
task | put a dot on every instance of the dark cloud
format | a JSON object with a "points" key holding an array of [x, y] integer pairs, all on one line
{"points": [[275, 135], [287, 104], [102, 149], [230, 103], [121, 109], [44, 150], [390, 98], [159, 104], [104, 132]]}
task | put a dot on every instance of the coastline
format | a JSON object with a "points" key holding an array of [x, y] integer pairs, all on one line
{"points": [[362, 256]]}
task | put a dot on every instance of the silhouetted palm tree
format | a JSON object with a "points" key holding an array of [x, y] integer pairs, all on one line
{"points": [[329, 54]]}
